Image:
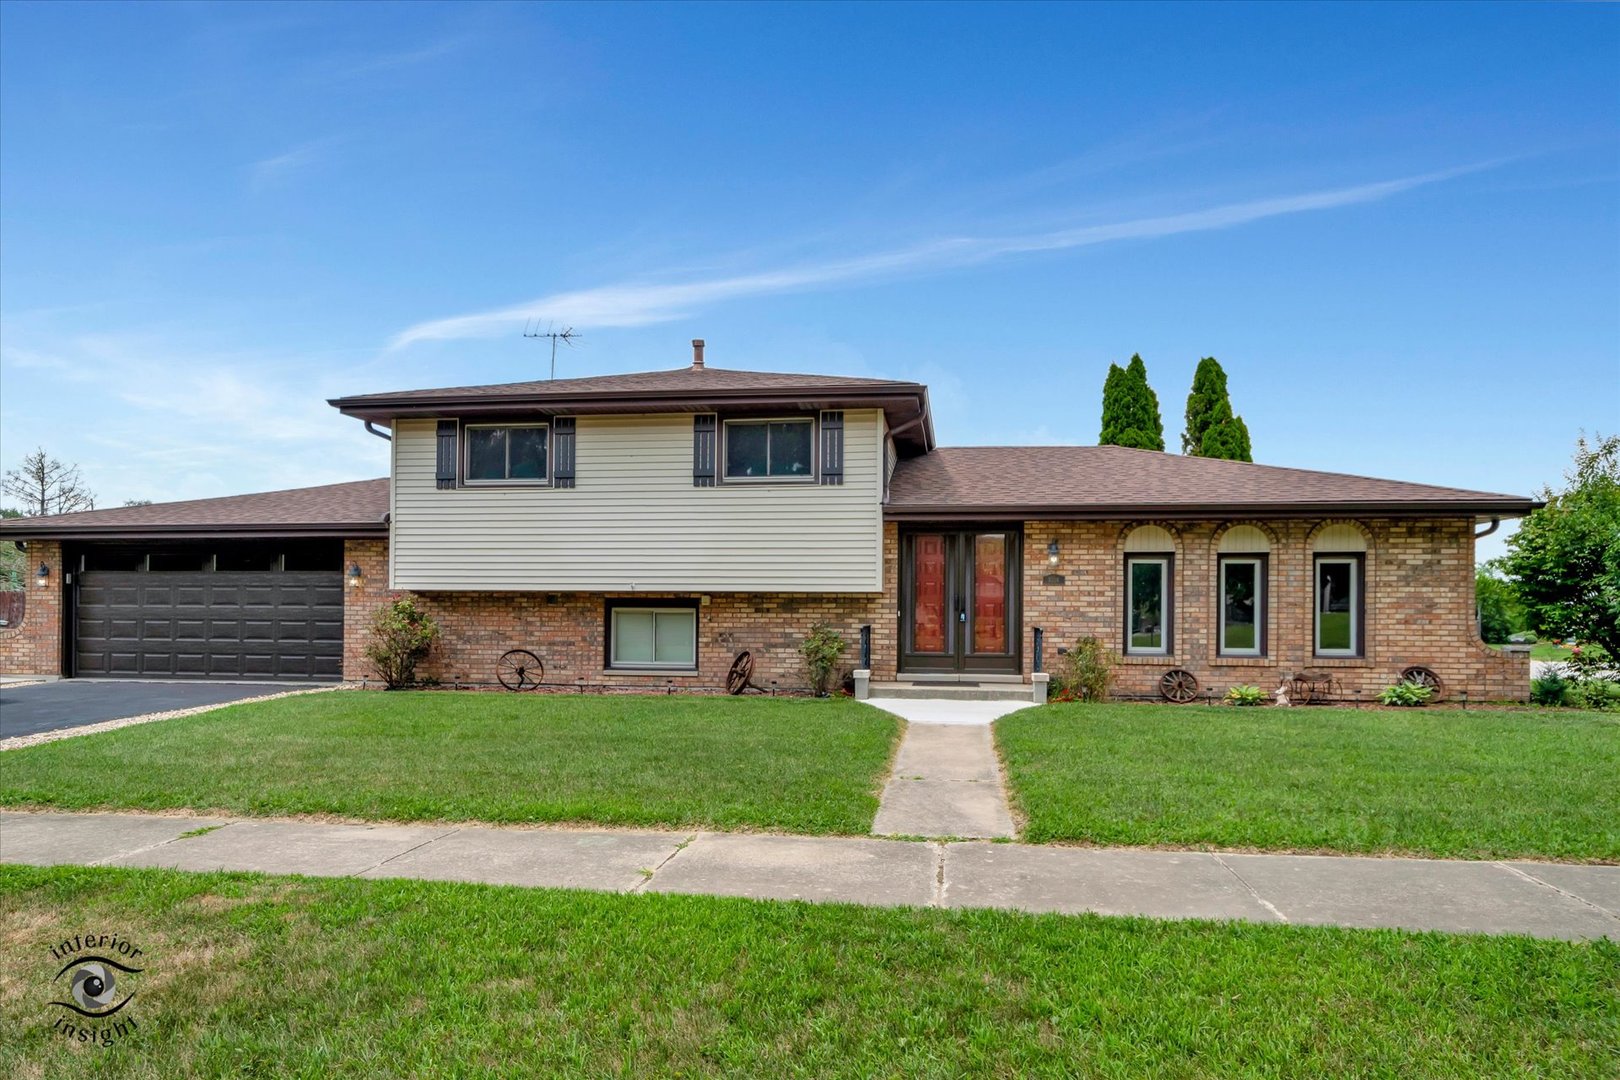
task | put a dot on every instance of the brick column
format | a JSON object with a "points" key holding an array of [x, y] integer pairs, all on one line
{"points": [[35, 646]]}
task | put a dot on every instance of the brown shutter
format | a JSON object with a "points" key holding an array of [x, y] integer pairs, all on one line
{"points": [[832, 448], [703, 450], [562, 452], [445, 467]]}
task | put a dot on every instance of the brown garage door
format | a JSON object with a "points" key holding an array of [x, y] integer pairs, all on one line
{"points": [[213, 625]]}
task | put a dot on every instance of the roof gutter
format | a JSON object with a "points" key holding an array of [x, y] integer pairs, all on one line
{"points": [[1208, 512]]}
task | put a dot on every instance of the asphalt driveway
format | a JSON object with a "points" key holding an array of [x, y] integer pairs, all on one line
{"points": [[29, 710]]}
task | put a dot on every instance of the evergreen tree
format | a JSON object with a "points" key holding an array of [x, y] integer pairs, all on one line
{"points": [[1213, 430], [1130, 409]]}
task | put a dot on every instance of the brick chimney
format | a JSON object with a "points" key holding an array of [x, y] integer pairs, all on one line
{"points": [[697, 354]]}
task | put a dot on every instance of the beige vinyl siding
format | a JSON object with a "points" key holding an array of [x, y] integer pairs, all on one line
{"points": [[636, 523]]}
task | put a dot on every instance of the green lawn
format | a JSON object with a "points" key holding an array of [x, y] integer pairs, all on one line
{"points": [[793, 764], [251, 976], [1444, 782]]}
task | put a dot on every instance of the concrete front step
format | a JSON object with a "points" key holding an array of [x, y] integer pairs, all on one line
{"points": [[954, 691]]}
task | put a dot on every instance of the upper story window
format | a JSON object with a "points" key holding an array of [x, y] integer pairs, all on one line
{"points": [[506, 453], [770, 449]]}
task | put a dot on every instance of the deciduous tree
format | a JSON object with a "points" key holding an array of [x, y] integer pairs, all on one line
{"points": [[1565, 558], [44, 485]]}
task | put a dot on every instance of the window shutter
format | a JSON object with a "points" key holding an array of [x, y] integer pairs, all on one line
{"points": [[562, 466], [703, 450], [445, 468], [832, 448]]}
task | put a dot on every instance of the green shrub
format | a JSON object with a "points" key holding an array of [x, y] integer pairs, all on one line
{"points": [[822, 648], [1087, 672], [402, 635], [1406, 695], [1549, 689], [1245, 695], [1595, 694]]}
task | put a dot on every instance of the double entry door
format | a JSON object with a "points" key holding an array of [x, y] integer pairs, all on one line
{"points": [[959, 601]]}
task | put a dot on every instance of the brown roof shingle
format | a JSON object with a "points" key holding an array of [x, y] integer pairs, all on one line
{"points": [[1114, 481], [356, 508], [684, 380]]}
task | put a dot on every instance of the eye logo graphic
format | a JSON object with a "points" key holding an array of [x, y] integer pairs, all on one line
{"points": [[94, 986]]}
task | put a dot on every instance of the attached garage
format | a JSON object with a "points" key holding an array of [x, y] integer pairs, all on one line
{"points": [[245, 587], [175, 613]]}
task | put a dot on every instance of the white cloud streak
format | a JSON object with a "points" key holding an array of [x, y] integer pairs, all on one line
{"points": [[639, 304]]}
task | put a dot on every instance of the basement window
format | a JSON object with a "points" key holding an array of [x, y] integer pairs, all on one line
{"points": [[652, 636]]}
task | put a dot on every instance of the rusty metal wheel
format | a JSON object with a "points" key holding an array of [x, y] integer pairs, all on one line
{"points": [[520, 670], [1178, 685], [741, 673], [1425, 677]]}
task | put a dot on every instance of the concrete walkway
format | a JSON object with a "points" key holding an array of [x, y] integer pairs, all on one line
{"points": [[946, 780], [1540, 899]]}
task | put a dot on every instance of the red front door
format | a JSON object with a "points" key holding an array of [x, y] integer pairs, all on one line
{"points": [[959, 601]]}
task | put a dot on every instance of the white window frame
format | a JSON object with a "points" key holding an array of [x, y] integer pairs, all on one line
{"points": [[725, 451], [616, 664], [466, 457], [1166, 604], [1259, 564], [1356, 586]]}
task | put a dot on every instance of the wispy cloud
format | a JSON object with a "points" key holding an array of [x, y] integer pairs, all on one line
{"points": [[272, 171], [642, 303]]}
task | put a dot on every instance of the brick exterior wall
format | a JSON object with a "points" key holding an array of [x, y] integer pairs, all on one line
{"points": [[567, 630], [1419, 606], [35, 646]]}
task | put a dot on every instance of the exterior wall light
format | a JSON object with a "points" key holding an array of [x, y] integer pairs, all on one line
{"points": [[42, 576], [354, 575], [1052, 553]]}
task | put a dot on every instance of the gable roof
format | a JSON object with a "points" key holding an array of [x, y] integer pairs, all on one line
{"points": [[1115, 481], [687, 389], [357, 508]]}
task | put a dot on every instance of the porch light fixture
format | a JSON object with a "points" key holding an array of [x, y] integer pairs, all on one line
{"points": [[1052, 553], [354, 575], [42, 576]]}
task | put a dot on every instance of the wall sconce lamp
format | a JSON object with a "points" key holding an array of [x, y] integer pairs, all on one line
{"points": [[42, 576], [354, 575], [1052, 553]]}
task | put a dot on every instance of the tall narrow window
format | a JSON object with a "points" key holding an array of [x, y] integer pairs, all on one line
{"points": [[1147, 605], [1243, 595], [1338, 605]]}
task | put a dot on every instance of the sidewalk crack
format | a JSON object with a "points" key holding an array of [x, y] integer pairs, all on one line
{"points": [[1561, 892], [648, 875], [407, 851], [151, 847], [1250, 889]]}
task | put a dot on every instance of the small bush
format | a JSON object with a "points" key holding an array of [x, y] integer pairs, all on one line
{"points": [[1407, 695], [402, 635], [1245, 695], [822, 648], [1087, 672], [1548, 689], [1596, 694]]}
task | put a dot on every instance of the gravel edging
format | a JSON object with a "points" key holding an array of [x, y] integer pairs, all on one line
{"points": [[17, 742]]}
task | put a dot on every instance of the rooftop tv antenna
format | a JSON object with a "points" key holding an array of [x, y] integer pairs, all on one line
{"points": [[566, 335]]}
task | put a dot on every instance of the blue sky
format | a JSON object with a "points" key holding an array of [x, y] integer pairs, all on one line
{"points": [[1397, 227]]}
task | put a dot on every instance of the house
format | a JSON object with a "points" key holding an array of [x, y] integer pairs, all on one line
{"points": [[640, 530]]}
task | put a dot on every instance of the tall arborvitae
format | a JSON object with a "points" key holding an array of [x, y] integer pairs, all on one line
{"points": [[1130, 414], [1212, 428]]}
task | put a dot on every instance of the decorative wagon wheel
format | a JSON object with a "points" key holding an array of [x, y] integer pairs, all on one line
{"points": [[741, 675], [1425, 677], [1178, 685], [520, 669]]}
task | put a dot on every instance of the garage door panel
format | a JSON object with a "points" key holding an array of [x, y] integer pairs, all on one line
{"points": [[191, 624]]}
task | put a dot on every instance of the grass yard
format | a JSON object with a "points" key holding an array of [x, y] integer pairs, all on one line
{"points": [[252, 976], [778, 763], [1440, 782]]}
